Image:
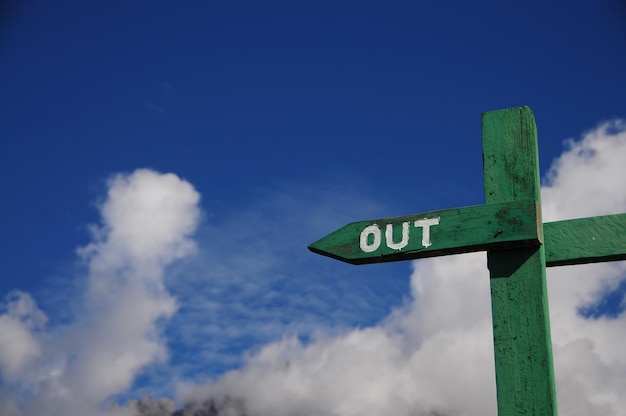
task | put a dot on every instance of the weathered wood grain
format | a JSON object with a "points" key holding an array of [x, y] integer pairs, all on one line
{"points": [[585, 240], [521, 326]]}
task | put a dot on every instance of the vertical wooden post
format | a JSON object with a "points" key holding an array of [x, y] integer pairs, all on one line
{"points": [[521, 326]]}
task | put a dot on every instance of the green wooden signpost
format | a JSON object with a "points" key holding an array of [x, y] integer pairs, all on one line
{"points": [[519, 247]]}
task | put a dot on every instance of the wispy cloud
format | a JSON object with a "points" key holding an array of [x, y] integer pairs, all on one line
{"points": [[158, 104], [253, 279]]}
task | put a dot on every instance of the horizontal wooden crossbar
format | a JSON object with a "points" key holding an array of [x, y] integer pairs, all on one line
{"points": [[585, 240]]}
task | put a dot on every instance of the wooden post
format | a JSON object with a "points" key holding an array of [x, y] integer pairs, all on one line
{"points": [[519, 300]]}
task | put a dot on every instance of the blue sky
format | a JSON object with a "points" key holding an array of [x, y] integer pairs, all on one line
{"points": [[289, 119]]}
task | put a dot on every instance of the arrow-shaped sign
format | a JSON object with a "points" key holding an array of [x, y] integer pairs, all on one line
{"points": [[437, 233]]}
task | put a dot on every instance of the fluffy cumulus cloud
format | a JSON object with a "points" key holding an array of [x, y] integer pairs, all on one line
{"points": [[147, 222], [434, 355]]}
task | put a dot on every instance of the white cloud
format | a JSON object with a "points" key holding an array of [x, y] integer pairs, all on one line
{"points": [[147, 222], [18, 345], [435, 354], [588, 178]]}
